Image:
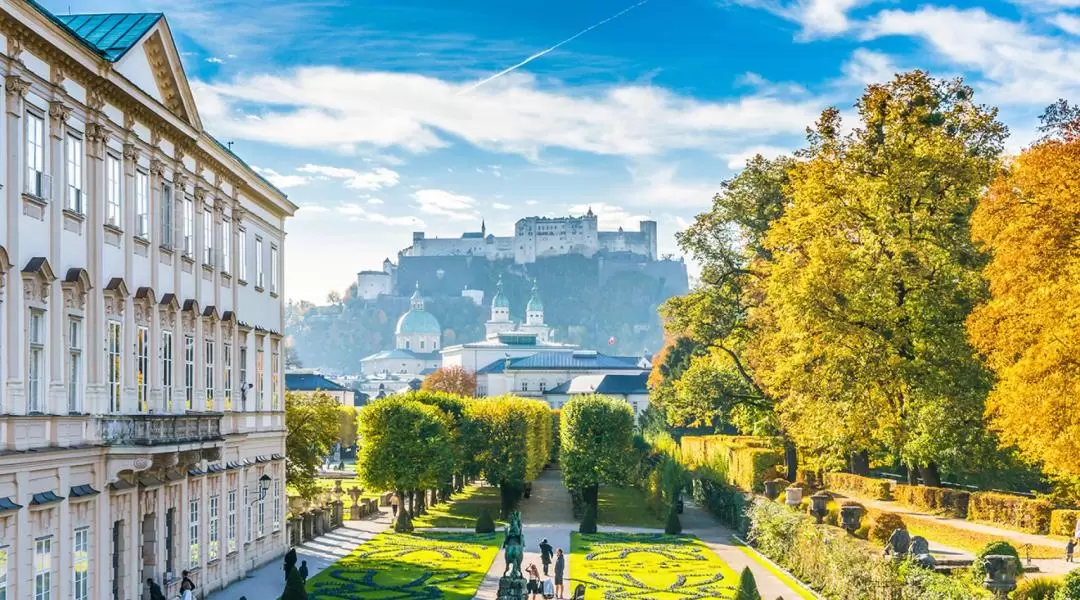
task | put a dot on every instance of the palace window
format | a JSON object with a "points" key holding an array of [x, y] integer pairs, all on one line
{"points": [[167, 215], [258, 262], [259, 375], [142, 205], [524, 386], [36, 363], [262, 513], [277, 503], [37, 183], [230, 523], [74, 148], [243, 375], [208, 236], [275, 379], [113, 178], [43, 569], [242, 254], [189, 224], [543, 386], [212, 548], [208, 356], [273, 268], [226, 247], [114, 364], [3, 573], [81, 564], [228, 375], [248, 531], [74, 365], [193, 534], [142, 365], [167, 368], [189, 371]]}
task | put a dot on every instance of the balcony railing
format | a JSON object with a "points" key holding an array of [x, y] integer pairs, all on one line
{"points": [[152, 430]]}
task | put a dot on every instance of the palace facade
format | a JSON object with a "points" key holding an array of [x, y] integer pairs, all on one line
{"points": [[141, 408]]}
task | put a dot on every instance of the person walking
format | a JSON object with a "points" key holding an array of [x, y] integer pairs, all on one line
{"points": [[545, 555], [303, 570], [533, 587], [154, 589], [560, 570], [187, 587], [395, 504], [1069, 547]]}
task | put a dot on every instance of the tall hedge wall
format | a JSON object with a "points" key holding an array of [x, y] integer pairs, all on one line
{"points": [[747, 461]]}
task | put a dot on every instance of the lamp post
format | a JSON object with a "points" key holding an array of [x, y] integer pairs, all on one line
{"points": [[264, 486]]}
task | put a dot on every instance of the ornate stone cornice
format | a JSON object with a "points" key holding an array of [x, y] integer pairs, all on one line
{"points": [[16, 86], [59, 111], [179, 180], [131, 152], [14, 47], [57, 76], [200, 193], [157, 167]]}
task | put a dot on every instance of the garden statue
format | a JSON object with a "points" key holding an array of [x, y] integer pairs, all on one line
{"points": [[513, 586], [1000, 574], [899, 544], [920, 550]]}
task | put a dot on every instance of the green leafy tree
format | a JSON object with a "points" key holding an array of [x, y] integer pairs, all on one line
{"points": [[463, 432], [597, 439], [347, 425], [870, 275], [405, 446], [311, 422], [747, 586], [516, 442]]}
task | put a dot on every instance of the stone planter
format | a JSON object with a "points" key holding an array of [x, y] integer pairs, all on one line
{"points": [[1000, 575], [773, 488], [793, 496], [819, 506], [851, 517]]}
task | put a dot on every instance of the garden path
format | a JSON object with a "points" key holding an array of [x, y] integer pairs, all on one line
{"points": [[549, 514], [267, 581]]}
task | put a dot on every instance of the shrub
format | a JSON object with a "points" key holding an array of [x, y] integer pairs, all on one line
{"points": [[1026, 514], [484, 523], [746, 461], [403, 522], [673, 526], [952, 503], [864, 487], [1070, 587], [1063, 522], [588, 524], [294, 586], [883, 526], [999, 548], [723, 501], [747, 586], [1037, 588]]}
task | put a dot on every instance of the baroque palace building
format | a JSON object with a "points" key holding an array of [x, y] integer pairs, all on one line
{"points": [[141, 406]]}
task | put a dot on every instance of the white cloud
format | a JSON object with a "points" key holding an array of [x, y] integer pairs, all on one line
{"points": [[532, 202], [1069, 23], [307, 210], [448, 204], [376, 179], [325, 107], [818, 18], [737, 160], [866, 66], [500, 206], [1017, 65], [355, 212], [661, 187], [281, 181], [374, 201], [215, 60]]}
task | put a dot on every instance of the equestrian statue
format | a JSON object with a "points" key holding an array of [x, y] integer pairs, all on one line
{"points": [[514, 545]]}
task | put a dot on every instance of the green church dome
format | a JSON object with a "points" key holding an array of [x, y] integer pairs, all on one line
{"points": [[500, 300], [535, 305], [418, 321]]}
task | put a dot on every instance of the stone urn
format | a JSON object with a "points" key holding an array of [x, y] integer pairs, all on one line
{"points": [[773, 487], [793, 496], [819, 506], [1000, 574], [851, 517]]}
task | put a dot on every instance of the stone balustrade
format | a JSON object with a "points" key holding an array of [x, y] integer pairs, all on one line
{"points": [[158, 429]]}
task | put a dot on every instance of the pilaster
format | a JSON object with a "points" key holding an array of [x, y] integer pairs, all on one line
{"points": [[14, 397]]}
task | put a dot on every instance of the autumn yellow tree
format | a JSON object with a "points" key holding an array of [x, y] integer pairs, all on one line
{"points": [[452, 380], [1029, 330], [873, 273]]}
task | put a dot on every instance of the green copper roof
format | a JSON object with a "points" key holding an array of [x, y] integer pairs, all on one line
{"points": [[535, 305], [418, 321], [499, 301], [111, 35]]}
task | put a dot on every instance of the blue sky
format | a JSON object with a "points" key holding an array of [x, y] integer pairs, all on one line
{"points": [[356, 109]]}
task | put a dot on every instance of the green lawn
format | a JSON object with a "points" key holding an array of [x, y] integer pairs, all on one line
{"points": [[648, 567], [463, 509], [624, 506], [419, 566]]}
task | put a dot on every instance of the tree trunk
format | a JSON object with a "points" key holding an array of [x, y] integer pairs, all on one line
{"points": [[860, 463], [912, 475], [412, 504], [421, 502], [590, 494], [930, 475], [791, 457], [511, 494]]}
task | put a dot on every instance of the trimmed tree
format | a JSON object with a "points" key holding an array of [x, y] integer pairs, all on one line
{"points": [[597, 434], [673, 526], [747, 586], [404, 446], [311, 422], [484, 523], [516, 442]]}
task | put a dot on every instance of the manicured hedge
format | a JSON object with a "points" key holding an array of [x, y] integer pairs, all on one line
{"points": [[856, 485], [1026, 514], [1063, 522], [748, 461], [951, 503]]}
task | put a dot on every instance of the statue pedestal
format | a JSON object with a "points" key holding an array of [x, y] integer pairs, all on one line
{"points": [[512, 588]]}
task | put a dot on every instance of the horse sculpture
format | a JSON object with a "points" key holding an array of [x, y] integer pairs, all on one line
{"points": [[514, 545]]}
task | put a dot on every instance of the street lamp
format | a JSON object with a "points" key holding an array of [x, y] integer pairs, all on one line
{"points": [[264, 486]]}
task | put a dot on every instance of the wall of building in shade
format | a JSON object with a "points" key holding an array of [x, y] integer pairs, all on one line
{"points": [[141, 405]]}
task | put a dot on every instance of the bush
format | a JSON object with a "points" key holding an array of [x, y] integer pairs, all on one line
{"points": [[723, 501], [951, 503], [1037, 588], [673, 526], [1000, 548], [403, 522], [747, 586], [484, 523], [1070, 587], [864, 487], [588, 524], [1063, 522], [746, 461], [1026, 514], [883, 526]]}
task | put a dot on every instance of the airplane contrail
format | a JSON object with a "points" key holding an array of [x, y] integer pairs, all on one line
{"points": [[547, 50]]}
